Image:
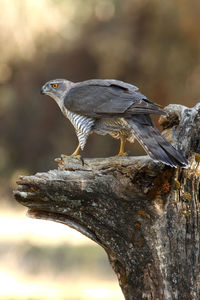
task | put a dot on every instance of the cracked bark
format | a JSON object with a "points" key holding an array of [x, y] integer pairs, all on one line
{"points": [[144, 214]]}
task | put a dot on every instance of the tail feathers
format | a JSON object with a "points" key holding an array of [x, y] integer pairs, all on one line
{"points": [[156, 145]]}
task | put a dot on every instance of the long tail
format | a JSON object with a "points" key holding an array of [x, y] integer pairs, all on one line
{"points": [[154, 143]]}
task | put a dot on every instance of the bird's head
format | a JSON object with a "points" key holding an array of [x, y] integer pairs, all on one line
{"points": [[57, 89]]}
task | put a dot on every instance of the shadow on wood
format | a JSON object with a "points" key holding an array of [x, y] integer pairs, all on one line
{"points": [[143, 213]]}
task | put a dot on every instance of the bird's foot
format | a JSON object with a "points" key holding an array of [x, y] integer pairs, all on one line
{"points": [[77, 156], [63, 156], [122, 154]]}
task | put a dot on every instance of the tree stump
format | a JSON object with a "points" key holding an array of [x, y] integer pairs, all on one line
{"points": [[143, 213]]}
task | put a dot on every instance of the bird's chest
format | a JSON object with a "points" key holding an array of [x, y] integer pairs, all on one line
{"points": [[81, 123]]}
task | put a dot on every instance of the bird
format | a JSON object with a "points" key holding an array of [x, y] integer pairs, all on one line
{"points": [[114, 107]]}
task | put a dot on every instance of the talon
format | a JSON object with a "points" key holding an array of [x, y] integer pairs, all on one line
{"points": [[75, 154], [79, 157], [63, 156]]}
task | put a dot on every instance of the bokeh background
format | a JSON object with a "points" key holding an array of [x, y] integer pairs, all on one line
{"points": [[151, 43]]}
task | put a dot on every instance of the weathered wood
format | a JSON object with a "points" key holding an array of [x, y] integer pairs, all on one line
{"points": [[144, 214]]}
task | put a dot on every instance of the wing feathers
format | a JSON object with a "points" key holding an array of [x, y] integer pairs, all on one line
{"points": [[108, 98]]}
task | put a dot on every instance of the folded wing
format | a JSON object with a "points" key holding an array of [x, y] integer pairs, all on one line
{"points": [[108, 98]]}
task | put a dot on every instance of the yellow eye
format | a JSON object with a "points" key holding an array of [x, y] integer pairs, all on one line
{"points": [[54, 85]]}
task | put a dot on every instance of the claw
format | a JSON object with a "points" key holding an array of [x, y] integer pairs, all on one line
{"points": [[77, 156]]}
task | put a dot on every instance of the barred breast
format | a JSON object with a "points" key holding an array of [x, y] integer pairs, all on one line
{"points": [[81, 124]]}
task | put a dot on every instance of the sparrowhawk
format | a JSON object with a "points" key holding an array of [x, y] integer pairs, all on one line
{"points": [[112, 107]]}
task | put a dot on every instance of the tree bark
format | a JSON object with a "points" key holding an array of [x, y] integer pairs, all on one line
{"points": [[143, 213]]}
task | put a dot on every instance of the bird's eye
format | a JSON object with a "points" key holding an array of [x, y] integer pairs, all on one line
{"points": [[54, 85]]}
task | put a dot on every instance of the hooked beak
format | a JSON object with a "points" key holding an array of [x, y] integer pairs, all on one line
{"points": [[42, 91]]}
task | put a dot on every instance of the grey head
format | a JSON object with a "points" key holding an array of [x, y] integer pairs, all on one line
{"points": [[57, 89]]}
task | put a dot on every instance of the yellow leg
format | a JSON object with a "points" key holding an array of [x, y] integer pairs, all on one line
{"points": [[76, 152], [122, 146]]}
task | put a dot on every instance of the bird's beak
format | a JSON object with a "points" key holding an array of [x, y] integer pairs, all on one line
{"points": [[42, 91]]}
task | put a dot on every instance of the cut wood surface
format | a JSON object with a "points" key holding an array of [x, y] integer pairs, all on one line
{"points": [[143, 213]]}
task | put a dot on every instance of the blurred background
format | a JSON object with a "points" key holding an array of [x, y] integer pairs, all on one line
{"points": [[151, 43]]}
